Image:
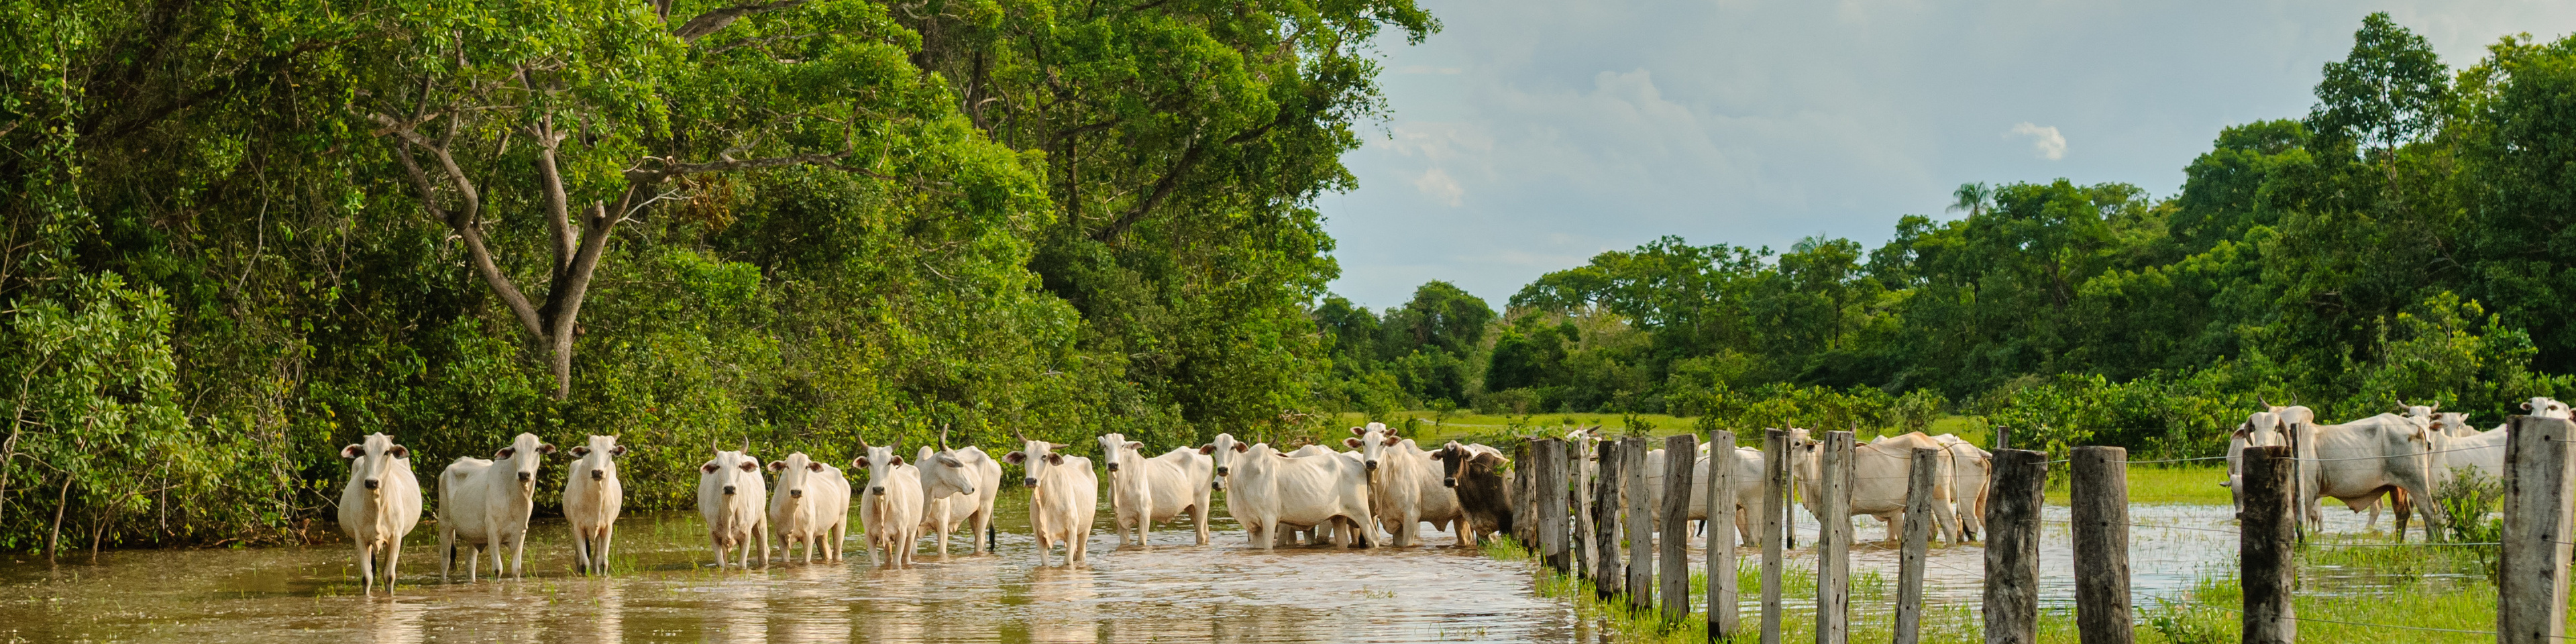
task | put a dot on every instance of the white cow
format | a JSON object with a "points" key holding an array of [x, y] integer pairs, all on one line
{"points": [[2360, 461], [1404, 485], [958, 486], [1064, 497], [1880, 474], [1747, 491], [1267, 491], [591, 498], [1319, 534], [2481, 452], [890, 511], [1970, 470], [729, 493], [484, 505], [379, 505], [812, 507], [1144, 491]]}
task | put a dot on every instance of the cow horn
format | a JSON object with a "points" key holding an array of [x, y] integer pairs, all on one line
{"points": [[2294, 399], [2258, 397], [2437, 406], [1023, 436], [863, 443], [746, 444], [943, 437]]}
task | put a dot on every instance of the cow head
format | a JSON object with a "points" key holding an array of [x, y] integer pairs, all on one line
{"points": [[1223, 450], [523, 456], [597, 458], [2546, 407], [880, 462], [943, 474], [1456, 459], [1034, 457], [1372, 442], [795, 474], [2452, 423], [731, 472], [1114, 450], [369, 459]]}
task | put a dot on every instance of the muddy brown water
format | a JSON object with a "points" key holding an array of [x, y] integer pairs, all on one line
{"points": [[664, 590]]}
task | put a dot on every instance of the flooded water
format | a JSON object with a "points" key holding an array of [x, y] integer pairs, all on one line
{"points": [[664, 590]]}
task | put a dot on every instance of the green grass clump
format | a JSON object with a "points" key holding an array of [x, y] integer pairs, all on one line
{"points": [[2157, 484]]}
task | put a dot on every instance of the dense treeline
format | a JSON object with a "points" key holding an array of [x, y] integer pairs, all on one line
{"points": [[2408, 239], [240, 234]]}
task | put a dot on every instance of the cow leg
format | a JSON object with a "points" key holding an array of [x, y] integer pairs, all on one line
{"points": [[446, 551], [393, 564], [367, 567], [718, 542], [1199, 514], [519, 555]]}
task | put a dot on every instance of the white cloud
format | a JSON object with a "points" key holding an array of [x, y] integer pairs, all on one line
{"points": [[2045, 142], [1436, 184]]}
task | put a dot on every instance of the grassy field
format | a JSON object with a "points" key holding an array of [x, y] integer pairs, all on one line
{"points": [[1432, 427], [2192, 484]]}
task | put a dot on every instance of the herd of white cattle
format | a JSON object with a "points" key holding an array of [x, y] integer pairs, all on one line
{"points": [[1382, 482], [2401, 456]]}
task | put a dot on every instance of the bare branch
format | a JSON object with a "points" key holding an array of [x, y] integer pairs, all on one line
{"points": [[1163, 189], [717, 20], [671, 171], [465, 222]]}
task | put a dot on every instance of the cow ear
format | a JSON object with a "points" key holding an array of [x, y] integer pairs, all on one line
{"points": [[1242, 447], [580, 450], [1015, 457], [545, 448], [815, 466], [504, 453], [948, 461], [895, 461], [749, 466], [1135, 445], [709, 468], [398, 451], [1055, 459], [1391, 440], [1356, 431], [1352, 443], [859, 463], [1209, 448], [353, 451], [1489, 459], [617, 450], [778, 466]]}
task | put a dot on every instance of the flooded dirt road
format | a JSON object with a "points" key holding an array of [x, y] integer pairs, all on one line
{"points": [[664, 591]]}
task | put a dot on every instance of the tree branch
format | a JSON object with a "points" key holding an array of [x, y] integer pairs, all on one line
{"points": [[671, 171], [716, 20], [466, 223], [1162, 189]]}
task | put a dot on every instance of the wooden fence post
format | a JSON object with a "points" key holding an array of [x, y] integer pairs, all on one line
{"points": [[1775, 514], [2100, 495], [2012, 546], [1580, 503], [1551, 504], [1722, 618], [1672, 544], [1833, 539], [2003, 438], [1921, 470], [2265, 530], [1607, 576], [2531, 606], [1640, 522]]}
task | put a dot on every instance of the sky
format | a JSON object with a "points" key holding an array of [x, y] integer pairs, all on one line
{"points": [[1528, 135]]}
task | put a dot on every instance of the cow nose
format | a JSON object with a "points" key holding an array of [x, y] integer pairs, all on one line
{"points": [[728, 490], [1029, 482], [1220, 471], [1216, 485], [1113, 467], [598, 474], [1372, 465], [1449, 482], [878, 490], [796, 494], [523, 477], [371, 484]]}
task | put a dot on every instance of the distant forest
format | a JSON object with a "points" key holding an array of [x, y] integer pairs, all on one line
{"points": [[2412, 238], [239, 235]]}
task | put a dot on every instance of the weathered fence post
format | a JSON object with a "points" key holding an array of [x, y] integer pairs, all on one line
{"points": [[1607, 575], [1775, 514], [1833, 539], [1640, 522], [1672, 544], [2265, 530], [1551, 504], [2100, 495], [1586, 544], [1722, 620], [1920, 472], [2531, 606], [2012, 546], [2003, 438]]}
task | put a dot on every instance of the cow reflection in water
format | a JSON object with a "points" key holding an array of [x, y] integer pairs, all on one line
{"points": [[395, 622], [1068, 605]]}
